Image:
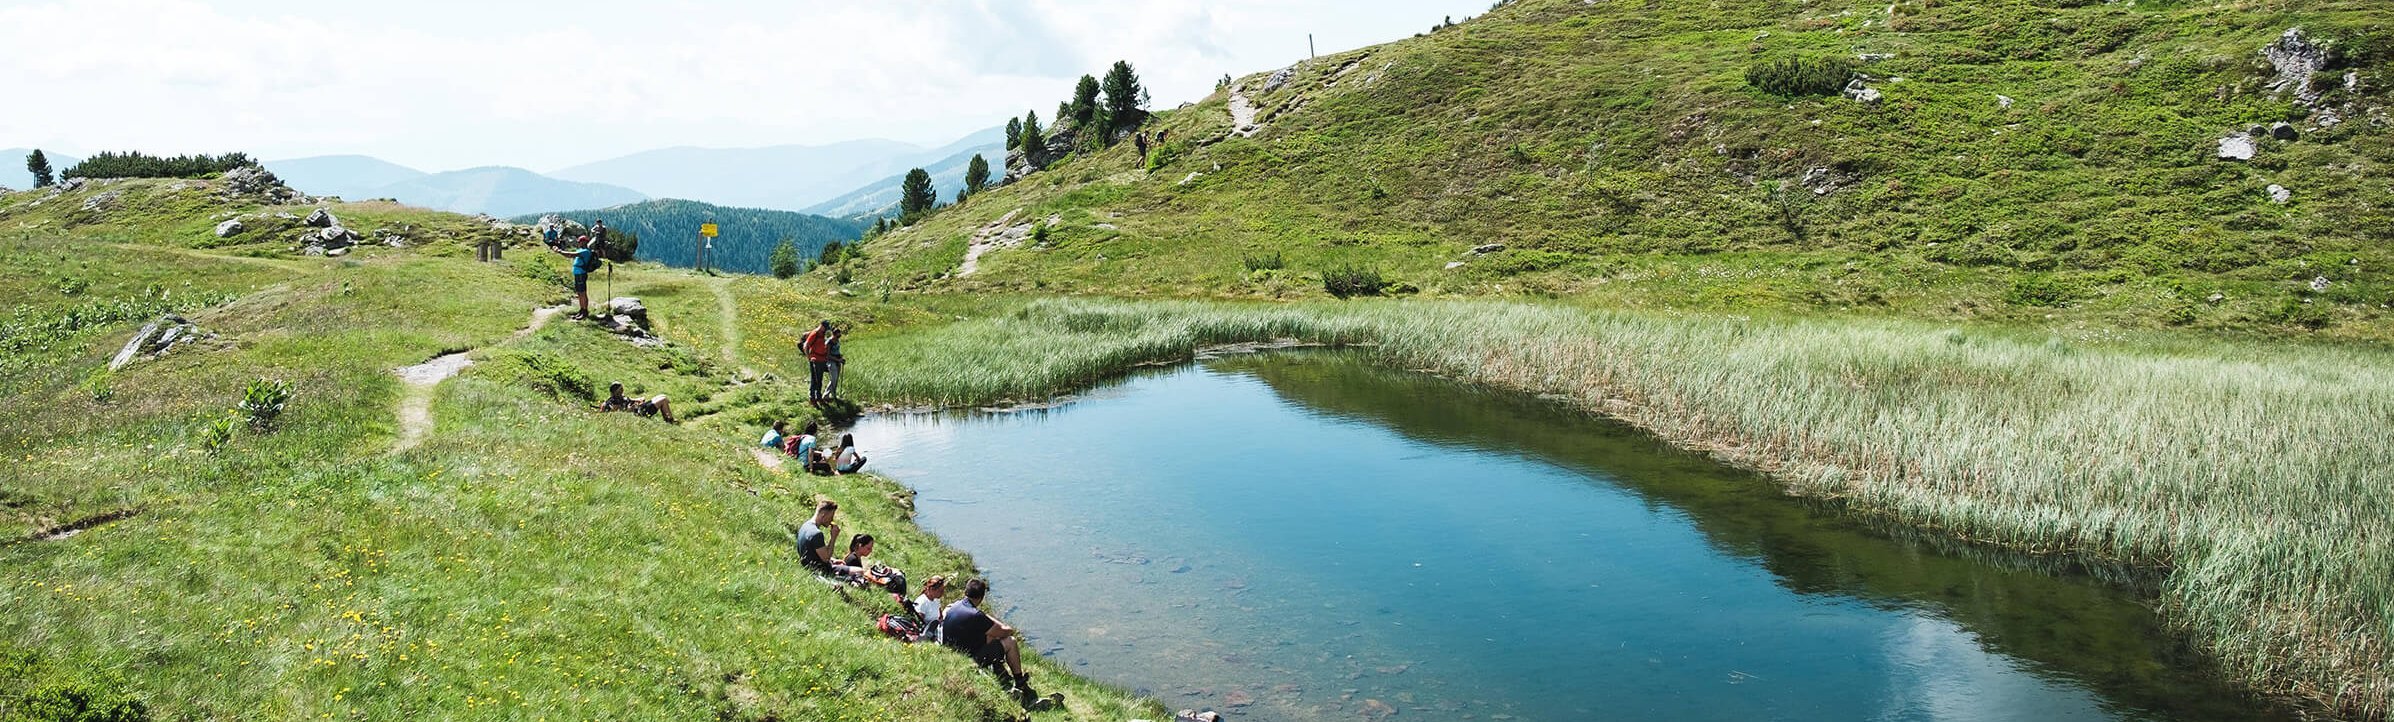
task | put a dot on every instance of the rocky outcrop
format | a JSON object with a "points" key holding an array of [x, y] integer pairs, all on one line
{"points": [[627, 317], [2296, 58], [230, 228], [157, 339], [2238, 147], [322, 219], [101, 202], [256, 182]]}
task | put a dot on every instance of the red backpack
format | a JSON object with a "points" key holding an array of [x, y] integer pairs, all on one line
{"points": [[900, 627]]}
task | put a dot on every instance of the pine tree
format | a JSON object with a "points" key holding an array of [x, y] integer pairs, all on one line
{"points": [[831, 254], [785, 259], [1013, 133], [1123, 95], [976, 175], [1033, 141], [916, 196], [1084, 101], [39, 165]]}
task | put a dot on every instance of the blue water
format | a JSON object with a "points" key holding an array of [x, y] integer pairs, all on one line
{"points": [[1306, 536]]}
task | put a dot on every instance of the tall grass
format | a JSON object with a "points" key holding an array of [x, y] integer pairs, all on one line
{"points": [[2254, 477]]}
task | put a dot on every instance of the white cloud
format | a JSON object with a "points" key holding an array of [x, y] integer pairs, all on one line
{"points": [[443, 84]]}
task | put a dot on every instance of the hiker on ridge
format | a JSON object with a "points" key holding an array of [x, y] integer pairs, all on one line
{"points": [[586, 260], [817, 345]]}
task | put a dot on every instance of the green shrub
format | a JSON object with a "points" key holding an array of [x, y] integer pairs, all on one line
{"points": [[1801, 76], [1351, 280], [215, 434], [2046, 290], [263, 402], [2300, 311], [1264, 263], [73, 702]]}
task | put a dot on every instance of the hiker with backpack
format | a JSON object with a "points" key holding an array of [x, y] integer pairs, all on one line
{"points": [[586, 260], [817, 346]]}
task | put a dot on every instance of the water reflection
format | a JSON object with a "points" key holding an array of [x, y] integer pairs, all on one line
{"points": [[1306, 536]]}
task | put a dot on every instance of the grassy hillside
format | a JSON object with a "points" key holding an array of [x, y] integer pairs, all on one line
{"points": [[2027, 160], [528, 559]]}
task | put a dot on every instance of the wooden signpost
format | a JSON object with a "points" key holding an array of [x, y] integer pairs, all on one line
{"points": [[706, 243]]}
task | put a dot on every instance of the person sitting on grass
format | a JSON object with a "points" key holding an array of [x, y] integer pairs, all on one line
{"points": [[992, 645], [657, 405], [586, 260], [927, 609], [773, 435], [847, 460], [815, 538], [802, 446], [861, 546]]}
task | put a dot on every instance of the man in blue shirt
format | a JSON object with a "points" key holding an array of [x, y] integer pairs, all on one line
{"points": [[585, 260]]}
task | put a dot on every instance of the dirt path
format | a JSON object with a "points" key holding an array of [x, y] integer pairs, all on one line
{"points": [[1000, 234], [771, 461], [728, 314], [415, 404]]}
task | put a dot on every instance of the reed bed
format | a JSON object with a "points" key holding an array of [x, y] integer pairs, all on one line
{"points": [[2253, 477]]}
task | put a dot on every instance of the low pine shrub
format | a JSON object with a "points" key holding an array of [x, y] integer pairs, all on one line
{"points": [[1350, 281], [1801, 76], [1264, 263]]}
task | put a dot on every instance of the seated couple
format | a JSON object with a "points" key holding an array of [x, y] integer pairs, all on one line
{"points": [[815, 539], [807, 449]]}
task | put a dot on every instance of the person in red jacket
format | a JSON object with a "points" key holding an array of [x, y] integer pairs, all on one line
{"points": [[817, 345]]}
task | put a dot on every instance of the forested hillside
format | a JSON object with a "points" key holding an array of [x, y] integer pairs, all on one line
{"points": [[668, 231]]}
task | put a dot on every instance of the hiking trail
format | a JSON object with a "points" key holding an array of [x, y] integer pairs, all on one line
{"points": [[415, 403], [728, 315], [1242, 114]]}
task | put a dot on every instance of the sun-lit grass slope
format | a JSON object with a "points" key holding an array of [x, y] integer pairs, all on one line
{"points": [[2254, 476], [530, 559], [2028, 159]]}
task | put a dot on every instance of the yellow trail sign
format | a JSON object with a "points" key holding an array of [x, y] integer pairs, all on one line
{"points": [[707, 230]]}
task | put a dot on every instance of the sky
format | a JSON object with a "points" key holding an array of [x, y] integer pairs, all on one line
{"points": [[448, 84]]}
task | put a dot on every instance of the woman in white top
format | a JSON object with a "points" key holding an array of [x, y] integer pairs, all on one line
{"points": [[848, 461], [926, 607]]}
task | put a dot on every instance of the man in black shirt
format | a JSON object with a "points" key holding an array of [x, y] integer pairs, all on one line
{"points": [[989, 641], [815, 538]]}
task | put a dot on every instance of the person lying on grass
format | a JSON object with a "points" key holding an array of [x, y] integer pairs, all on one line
{"points": [[991, 644], [657, 405], [861, 546], [847, 460]]}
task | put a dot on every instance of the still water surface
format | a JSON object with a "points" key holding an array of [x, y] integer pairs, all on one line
{"points": [[1307, 536]]}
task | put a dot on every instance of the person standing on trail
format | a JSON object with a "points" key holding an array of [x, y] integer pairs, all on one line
{"points": [[585, 260], [817, 345]]}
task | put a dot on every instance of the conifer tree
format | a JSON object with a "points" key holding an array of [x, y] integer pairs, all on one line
{"points": [[976, 175], [916, 196], [1123, 95], [1013, 133], [785, 259], [39, 165], [1033, 140], [1084, 101]]}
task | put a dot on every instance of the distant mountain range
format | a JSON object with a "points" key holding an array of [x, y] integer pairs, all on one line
{"points": [[496, 190], [668, 231], [789, 177], [12, 166], [879, 199]]}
